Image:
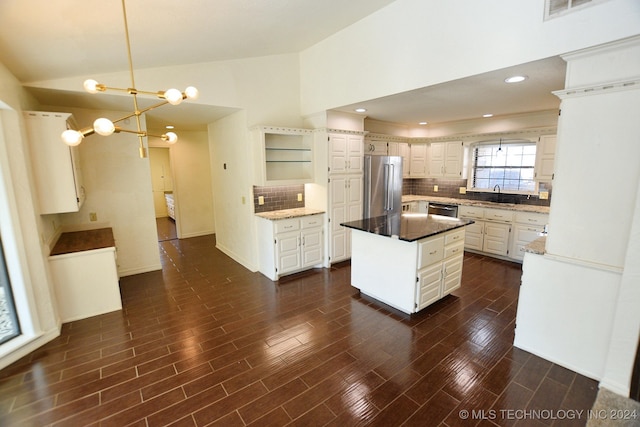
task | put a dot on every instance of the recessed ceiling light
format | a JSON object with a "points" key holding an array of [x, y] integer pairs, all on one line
{"points": [[170, 127], [487, 115], [422, 123], [515, 79], [360, 110]]}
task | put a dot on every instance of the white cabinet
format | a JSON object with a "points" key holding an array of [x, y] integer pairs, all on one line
{"points": [[345, 191], [290, 245], [439, 266], [286, 155], [345, 202], [491, 231], [418, 161], [56, 166], [403, 150], [545, 158], [447, 159], [85, 274], [345, 153], [526, 228], [376, 147]]}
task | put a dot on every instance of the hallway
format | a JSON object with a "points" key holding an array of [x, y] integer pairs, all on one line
{"points": [[207, 342]]}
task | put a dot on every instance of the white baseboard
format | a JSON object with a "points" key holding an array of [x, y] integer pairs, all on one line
{"points": [[197, 234], [21, 346], [139, 270], [236, 258]]}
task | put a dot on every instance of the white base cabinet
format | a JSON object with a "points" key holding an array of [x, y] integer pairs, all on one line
{"points": [[86, 283], [491, 231], [407, 276], [501, 232], [290, 245]]}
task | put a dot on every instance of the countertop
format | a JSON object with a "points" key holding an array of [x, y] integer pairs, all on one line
{"points": [[289, 213], [78, 241], [479, 203], [537, 246], [409, 226]]}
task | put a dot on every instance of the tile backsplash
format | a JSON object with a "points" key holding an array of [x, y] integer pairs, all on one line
{"points": [[451, 188], [278, 197]]}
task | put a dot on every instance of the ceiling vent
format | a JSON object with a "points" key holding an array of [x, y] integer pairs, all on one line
{"points": [[554, 8]]}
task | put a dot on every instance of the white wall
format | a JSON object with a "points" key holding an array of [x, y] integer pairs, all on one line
{"points": [[584, 289], [20, 228], [118, 185], [412, 44], [232, 183], [191, 166]]}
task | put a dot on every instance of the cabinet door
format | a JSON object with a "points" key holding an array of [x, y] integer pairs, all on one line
{"points": [[345, 153], [452, 274], [354, 197], [340, 212], [405, 152], [418, 165], [355, 153], [338, 153], [496, 238], [437, 153], [311, 247], [545, 158], [453, 159], [56, 166], [288, 252], [376, 148], [429, 286], [522, 236]]}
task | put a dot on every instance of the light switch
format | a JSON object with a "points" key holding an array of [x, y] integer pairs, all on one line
{"points": [[544, 195], [261, 200], [299, 197], [93, 216], [435, 188], [463, 190]]}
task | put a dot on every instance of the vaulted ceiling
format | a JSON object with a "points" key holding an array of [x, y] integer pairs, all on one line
{"points": [[44, 40]]}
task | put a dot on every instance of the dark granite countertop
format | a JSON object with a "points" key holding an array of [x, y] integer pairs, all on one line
{"points": [[78, 241], [409, 226]]}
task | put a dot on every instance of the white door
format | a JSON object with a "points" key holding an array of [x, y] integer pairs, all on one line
{"points": [[311, 247], [288, 250]]}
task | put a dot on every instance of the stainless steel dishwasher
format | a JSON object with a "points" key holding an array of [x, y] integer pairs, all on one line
{"points": [[443, 209]]}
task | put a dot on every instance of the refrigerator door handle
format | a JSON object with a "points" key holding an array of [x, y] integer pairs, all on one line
{"points": [[388, 182]]}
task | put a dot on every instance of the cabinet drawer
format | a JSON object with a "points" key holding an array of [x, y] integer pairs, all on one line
{"points": [[470, 212], [454, 237], [532, 218], [430, 251], [498, 215], [311, 221], [285, 225], [455, 249]]}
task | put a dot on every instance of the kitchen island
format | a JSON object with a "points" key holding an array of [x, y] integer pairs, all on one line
{"points": [[407, 261]]}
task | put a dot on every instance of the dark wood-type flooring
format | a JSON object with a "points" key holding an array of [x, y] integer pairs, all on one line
{"points": [[206, 342]]}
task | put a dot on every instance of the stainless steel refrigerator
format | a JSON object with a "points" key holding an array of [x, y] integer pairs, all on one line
{"points": [[382, 185]]}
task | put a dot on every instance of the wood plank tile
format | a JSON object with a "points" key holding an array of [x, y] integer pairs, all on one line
{"points": [[206, 342]]}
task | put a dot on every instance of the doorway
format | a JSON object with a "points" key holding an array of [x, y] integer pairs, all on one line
{"points": [[163, 197]]}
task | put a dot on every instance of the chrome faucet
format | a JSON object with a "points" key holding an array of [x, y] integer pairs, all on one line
{"points": [[498, 186]]}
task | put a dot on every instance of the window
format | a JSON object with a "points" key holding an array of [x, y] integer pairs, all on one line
{"points": [[509, 166], [9, 327], [555, 8]]}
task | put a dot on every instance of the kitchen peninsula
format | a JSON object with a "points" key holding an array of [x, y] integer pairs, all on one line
{"points": [[407, 261]]}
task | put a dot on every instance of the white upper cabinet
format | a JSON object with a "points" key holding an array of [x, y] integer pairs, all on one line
{"points": [[56, 166], [376, 147], [345, 153], [418, 161], [286, 155], [545, 157], [446, 159]]}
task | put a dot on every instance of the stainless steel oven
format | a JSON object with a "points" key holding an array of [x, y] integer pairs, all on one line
{"points": [[443, 209]]}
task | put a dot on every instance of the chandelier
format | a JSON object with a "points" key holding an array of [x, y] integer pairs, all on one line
{"points": [[106, 127]]}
